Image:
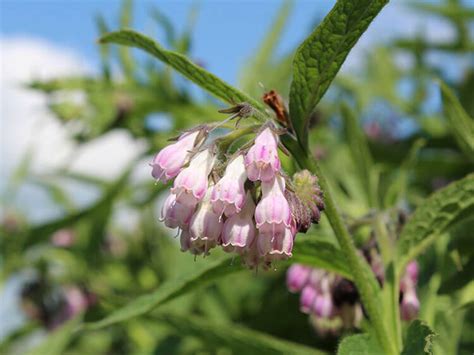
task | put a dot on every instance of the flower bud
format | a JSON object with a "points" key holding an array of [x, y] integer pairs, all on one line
{"points": [[273, 213], [307, 298], [170, 160], [262, 160], [205, 227], [191, 184], [306, 201], [410, 304], [323, 305], [228, 195], [297, 277], [412, 271], [176, 214], [239, 230]]}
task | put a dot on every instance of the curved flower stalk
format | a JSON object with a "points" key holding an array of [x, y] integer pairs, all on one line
{"points": [[247, 209]]}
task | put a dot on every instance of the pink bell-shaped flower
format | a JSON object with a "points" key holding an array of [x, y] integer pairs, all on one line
{"points": [[323, 305], [277, 246], [170, 160], [239, 230], [262, 160], [297, 277], [273, 214], [176, 214], [191, 184], [228, 195], [205, 227]]}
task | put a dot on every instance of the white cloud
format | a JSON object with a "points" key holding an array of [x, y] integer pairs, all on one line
{"points": [[25, 119]]}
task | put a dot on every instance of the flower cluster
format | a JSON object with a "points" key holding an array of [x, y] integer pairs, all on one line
{"points": [[333, 301], [244, 209]]}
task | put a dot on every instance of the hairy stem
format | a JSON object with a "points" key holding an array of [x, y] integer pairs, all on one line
{"points": [[363, 276]]}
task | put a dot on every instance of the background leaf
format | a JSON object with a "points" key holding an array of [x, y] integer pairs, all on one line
{"points": [[170, 290], [433, 216], [360, 344], [182, 64], [461, 124], [240, 339], [419, 339]]}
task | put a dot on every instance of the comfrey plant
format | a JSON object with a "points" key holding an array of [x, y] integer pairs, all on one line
{"points": [[233, 193], [244, 203]]}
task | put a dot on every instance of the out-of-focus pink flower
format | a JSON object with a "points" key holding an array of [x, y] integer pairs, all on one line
{"points": [[170, 160], [412, 271], [228, 195], [176, 214], [297, 277], [307, 298], [262, 160], [191, 184], [323, 304], [63, 238], [273, 213], [239, 230], [205, 227], [410, 305]]}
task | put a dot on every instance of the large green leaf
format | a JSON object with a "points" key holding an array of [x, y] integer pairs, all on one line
{"points": [[441, 210], [360, 344], [320, 56], [57, 341], [170, 290], [419, 339], [320, 254], [239, 339], [461, 124], [182, 64]]}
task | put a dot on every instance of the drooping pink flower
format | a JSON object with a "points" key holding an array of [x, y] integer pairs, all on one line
{"points": [[195, 248], [239, 230], [273, 214], [228, 195], [175, 214], [262, 160], [323, 305], [205, 227], [170, 160], [307, 298], [277, 245], [191, 184], [410, 304], [297, 277]]}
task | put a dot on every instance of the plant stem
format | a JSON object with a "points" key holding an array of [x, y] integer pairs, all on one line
{"points": [[363, 276]]}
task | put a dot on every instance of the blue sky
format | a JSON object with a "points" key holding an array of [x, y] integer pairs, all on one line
{"points": [[226, 32]]}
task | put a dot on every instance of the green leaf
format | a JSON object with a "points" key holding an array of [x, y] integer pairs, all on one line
{"points": [[360, 153], [360, 344], [419, 339], [440, 211], [170, 290], [182, 64], [239, 339], [320, 56], [57, 341], [462, 126], [261, 60], [320, 254]]}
